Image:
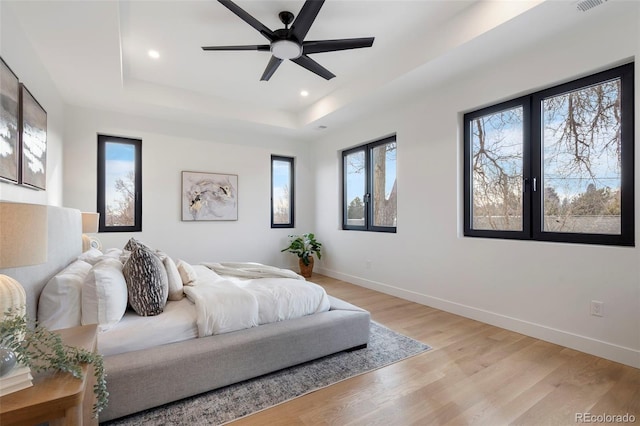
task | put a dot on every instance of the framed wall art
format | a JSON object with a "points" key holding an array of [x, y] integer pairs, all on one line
{"points": [[209, 196], [33, 141], [9, 134]]}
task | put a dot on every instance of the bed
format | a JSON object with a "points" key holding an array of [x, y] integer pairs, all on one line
{"points": [[158, 368]]}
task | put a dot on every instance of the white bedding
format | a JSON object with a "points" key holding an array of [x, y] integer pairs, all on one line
{"points": [[215, 304], [224, 303], [134, 332], [221, 307], [280, 299]]}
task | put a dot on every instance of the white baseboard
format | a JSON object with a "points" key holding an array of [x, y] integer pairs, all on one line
{"points": [[613, 352]]}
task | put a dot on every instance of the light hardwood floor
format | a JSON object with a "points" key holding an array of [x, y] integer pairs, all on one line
{"points": [[475, 374]]}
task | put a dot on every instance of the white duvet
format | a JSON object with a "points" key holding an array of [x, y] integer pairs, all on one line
{"points": [[225, 304]]}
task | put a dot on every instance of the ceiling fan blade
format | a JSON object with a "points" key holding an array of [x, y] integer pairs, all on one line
{"points": [[333, 45], [305, 18], [308, 63], [272, 66], [260, 47], [242, 14]]}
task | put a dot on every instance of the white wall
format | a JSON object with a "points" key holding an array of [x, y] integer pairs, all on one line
{"points": [[540, 289], [167, 150], [21, 57]]}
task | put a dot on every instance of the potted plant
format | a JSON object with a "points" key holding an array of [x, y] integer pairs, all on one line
{"points": [[304, 246], [43, 350]]}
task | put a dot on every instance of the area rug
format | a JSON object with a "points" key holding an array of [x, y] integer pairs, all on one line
{"points": [[232, 402]]}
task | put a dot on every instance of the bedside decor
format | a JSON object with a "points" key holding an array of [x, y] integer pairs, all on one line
{"points": [[304, 246], [33, 140], [44, 350], [12, 296], [7, 361], [90, 226], [16, 379], [209, 196], [9, 110]]}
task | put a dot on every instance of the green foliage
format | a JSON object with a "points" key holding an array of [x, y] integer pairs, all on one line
{"points": [[304, 246], [43, 350]]}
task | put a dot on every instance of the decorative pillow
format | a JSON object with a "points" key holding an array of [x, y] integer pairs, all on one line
{"points": [[174, 278], [133, 244], [104, 294], [147, 282], [91, 256], [60, 301], [187, 273]]}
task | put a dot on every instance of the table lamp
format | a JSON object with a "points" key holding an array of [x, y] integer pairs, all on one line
{"points": [[90, 226], [23, 242]]}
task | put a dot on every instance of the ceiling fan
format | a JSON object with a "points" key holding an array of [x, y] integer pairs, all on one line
{"points": [[289, 43]]}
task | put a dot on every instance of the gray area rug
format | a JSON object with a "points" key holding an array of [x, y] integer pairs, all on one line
{"points": [[235, 401]]}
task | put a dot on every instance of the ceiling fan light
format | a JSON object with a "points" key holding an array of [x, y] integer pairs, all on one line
{"points": [[286, 49]]}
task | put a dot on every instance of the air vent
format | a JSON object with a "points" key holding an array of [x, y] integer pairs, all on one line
{"points": [[585, 5]]}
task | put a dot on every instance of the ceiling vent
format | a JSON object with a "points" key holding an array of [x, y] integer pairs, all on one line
{"points": [[585, 5]]}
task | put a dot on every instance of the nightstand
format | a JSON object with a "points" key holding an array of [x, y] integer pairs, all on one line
{"points": [[56, 397]]}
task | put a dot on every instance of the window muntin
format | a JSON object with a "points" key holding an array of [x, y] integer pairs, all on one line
{"points": [[577, 163], [370, 187], [282, 191], [119, 184]]}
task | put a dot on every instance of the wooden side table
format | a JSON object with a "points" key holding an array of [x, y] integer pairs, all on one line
{"points": [[56, 397]]}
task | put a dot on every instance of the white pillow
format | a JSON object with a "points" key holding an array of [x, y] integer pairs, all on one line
{"points": [[175, 280], [60, 301], [114, 253], [104, 294], [187, 273], [111, 253], [91, 256]]}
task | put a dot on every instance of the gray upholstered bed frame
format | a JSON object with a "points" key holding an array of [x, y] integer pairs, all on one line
{"points": [[148, 378]]}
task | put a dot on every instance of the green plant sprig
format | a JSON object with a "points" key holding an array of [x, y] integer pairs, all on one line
{"points": [[43, 350]]}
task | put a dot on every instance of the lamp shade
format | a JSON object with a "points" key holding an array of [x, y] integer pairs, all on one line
{"points": [[90, 222], [23, 241], [23, 234]]}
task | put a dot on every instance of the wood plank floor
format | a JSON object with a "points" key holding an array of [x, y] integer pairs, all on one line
{"points": [[476, 374]]}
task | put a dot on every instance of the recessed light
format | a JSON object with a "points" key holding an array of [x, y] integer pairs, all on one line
{"points": [[154, 54], [304, 93]]}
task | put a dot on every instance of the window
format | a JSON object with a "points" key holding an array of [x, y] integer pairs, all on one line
{"points": [[282, 188], [556, 165], [370, 187], [119, 184]]}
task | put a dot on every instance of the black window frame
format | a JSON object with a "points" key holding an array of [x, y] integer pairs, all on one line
{"points": [[137, 144], [368, 204], [533, 164], [291, 161]]}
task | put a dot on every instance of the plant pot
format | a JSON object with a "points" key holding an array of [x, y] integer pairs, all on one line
{"points": [[306, 270]]}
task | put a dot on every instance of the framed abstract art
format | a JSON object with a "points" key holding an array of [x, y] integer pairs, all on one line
{"points": [[33, 141], [209, 196], [9, 114]]}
